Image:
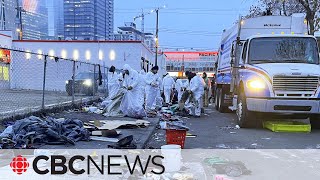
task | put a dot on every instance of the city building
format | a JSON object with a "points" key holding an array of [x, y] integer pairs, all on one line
{"points": [[88, 19], [195, 61], [55, 19], [8, 14], [129, 32], [32, 21]]}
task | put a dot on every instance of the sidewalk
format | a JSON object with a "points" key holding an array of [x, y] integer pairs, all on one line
{"points": [[20, 102]]}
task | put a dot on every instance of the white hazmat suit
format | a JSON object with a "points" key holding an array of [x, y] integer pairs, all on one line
{"points": [[132, 103], [113, 84], [153, 82], [167, 86], [197, 89], [181, 86]]}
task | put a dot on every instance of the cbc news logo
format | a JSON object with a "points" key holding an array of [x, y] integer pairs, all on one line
{"points": [[19, 165]]}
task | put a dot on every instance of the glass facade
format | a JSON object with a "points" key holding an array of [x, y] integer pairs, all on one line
{"points": [[34, 18], [55, 19], [88, 19], [8, 14]]}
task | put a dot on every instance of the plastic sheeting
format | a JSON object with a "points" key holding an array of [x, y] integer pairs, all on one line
{"points": [[32, 132]]}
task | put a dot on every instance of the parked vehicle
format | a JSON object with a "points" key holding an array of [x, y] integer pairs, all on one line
{"points": [[86, 83], [269, 65]]}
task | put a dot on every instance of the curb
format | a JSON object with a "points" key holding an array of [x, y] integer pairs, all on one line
{"points": [[151, 134], [52, 108]]}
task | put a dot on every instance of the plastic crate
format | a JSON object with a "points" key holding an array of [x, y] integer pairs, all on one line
{"points": [[287, 126], [176, 137]]}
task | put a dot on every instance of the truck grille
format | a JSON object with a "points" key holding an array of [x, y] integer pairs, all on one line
{"points": [[294, 83]]}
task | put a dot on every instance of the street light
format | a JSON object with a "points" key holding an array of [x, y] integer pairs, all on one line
{"points": [[20, 33]]}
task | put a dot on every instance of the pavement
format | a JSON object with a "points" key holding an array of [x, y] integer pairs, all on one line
{"points": [[212, 133], [140, 135], [15, 102]]}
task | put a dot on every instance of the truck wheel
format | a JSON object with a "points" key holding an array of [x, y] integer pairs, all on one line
{"points": [[245, 118], [221, 107], [315, 121], [216, 99]]}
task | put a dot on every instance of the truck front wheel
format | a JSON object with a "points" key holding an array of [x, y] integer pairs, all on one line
{"points": [[216, 99], [315, 121], [246, 119], [221, 107]]}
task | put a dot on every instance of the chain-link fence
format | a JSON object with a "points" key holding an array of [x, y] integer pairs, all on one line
{"points": [[33, 81]]}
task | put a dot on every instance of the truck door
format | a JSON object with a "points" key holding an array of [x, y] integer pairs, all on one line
{"points": [[236, 54]]}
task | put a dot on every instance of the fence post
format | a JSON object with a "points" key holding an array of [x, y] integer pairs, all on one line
{"points": [[73, 80], [104, 81], [107, 81], [44, 80]]}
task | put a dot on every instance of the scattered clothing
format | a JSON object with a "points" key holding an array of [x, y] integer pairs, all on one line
{"points": [[33, 132]]}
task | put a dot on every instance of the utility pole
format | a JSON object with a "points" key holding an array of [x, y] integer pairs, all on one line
{"points": [[157, 37], [19, 19]]}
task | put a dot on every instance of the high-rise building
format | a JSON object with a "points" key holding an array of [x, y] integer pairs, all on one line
{"points": [[88, 19], [34, 19], [8, 14], [55, 19]]}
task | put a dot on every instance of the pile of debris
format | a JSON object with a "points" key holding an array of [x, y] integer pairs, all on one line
{"points": [[169, 120], [109, 131], [34, 132]]}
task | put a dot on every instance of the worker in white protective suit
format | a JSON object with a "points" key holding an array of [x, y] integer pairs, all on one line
{"points": [[181, 86], [132, 103], [167, 87], [153, 82], [197, 90], [113, 82], [142, 74]]}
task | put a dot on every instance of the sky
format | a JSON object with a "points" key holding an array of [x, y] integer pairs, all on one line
{"points": [[184, 24]]}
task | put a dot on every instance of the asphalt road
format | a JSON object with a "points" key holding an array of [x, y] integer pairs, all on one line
{"points": [[212, 133]]}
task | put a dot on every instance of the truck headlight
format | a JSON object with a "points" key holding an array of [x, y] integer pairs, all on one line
{"points": [[256, 84], [67, 82], [87, 82]]}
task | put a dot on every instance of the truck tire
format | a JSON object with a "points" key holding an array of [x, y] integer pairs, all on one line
{"points": [[221, 107], [245, 118], [315, 121], [216, 99]]}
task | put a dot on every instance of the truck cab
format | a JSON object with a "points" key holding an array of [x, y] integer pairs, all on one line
{"points": [[269, 73]]}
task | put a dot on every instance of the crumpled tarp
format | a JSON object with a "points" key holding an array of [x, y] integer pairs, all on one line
{"points": [[33, 131], [112, 106]]}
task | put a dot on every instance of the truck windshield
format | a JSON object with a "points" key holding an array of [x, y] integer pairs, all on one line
{"points": [[283, 50]]}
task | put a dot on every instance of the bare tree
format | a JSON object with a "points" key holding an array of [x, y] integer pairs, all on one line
{"points": [[287, 7], [311, 8]]}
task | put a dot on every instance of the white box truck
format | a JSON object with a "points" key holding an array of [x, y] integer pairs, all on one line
{"points": [[266, 65]]}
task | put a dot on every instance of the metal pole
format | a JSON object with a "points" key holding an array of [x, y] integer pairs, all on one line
{"points": [[157, 37], [44, 80], [94, 80], [73, 80], [105, 81], [74, 23]]}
